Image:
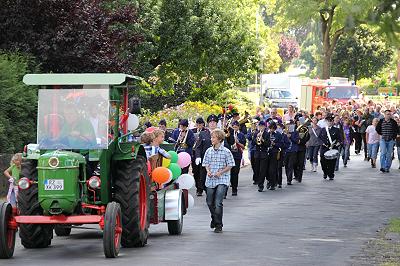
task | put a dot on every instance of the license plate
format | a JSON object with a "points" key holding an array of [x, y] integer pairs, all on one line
{"points": [[54, 184]]}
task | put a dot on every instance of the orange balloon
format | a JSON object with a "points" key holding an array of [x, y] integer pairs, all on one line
{"points": [[160, 175]]}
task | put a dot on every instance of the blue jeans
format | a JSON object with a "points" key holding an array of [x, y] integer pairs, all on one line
{"points": [[214, 199], [345, 153], [386, 153], [398, 152], [313, 154], [373, 150]]}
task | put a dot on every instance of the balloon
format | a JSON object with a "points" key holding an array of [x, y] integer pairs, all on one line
{"points": [[174, 156], [133, 122], [160, 175], [169, 179], [170, 174], [185, 181], [175, 169], [184, 159], [166, 162], [190, 201]]}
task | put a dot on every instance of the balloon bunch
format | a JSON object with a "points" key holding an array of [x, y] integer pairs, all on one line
{"points": [[171, 170]]}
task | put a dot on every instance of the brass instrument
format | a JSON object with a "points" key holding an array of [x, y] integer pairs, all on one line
{"points": [[259, 139], [245, 119], [234, 146], [303, 128], [227, 128], [181, 141]]}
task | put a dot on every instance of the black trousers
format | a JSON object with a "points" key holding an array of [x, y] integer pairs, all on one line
{"points": [[328, 166], [290, 161], [235, 175], [261, 167], [364, 144], [272, 176], [299, 166], [196, 170], [280, 166], [253, 166], [357, 142]]}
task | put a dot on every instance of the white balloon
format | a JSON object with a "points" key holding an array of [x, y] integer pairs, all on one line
{"points": [[133, 122], [190, 201], [185, 181]]}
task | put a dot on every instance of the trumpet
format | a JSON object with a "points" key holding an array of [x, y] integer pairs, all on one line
{"points": [[260, 140], [181, 141]]}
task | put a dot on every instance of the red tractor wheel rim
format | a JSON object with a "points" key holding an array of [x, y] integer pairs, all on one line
{"points": [[142, 202], [10, 236], [118, 231]]}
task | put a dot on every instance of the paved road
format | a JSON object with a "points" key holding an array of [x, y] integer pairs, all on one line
{"points": [[317, 222]]}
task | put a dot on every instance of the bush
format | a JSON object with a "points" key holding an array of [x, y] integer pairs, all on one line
{"points": [[189, 110], [18, 103]]}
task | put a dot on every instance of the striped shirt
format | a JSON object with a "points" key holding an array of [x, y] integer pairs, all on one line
{"points": [[387, 130], [216, 160], [153, 150]]}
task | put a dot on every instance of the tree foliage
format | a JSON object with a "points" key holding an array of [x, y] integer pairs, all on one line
{"points": [[361, 55], [17, 103]]}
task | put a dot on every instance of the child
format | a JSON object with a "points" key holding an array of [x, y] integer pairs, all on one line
{"points": [[218, 161], [13, 173], [151, 142]]}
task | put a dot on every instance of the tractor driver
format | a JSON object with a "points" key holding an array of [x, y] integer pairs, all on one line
{"points": [[77, 132]]}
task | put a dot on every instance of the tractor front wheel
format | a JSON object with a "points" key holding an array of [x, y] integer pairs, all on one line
{"points": [[132, 192], [61, 230], [112, 230], [7, 235]]}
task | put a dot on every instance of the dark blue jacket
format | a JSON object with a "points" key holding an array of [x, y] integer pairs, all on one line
{"points": [[294, 138], [190, 140]]}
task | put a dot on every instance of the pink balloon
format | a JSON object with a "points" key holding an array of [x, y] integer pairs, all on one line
{"points": [[184, 159]]}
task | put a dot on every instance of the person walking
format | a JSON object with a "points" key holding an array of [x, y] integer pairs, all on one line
{"points": [[218, 161], [261, 143], [314, 143], [388, 129], [291, 151], [373, 142]]}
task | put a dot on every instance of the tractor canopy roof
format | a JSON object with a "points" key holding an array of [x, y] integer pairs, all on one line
{"points": [[79, 79]]}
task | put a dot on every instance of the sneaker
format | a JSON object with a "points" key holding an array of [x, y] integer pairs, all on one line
{"points": [[260, 189], [272, 188], [212, 225], [279, 186], [218, 229], [325, 176], [199, 194], [387, 170], [382, 170]]}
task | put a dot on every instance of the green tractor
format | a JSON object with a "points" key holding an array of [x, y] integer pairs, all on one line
{"points": [[86, 168]]}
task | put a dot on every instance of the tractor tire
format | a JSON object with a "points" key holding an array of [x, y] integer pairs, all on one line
{"points": [[33, 235], [62, 230], [175, 227], [7, 236], [112, 230], [132, 191]]}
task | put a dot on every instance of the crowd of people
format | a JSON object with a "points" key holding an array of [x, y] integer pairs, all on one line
{"points": [[280, 144]]}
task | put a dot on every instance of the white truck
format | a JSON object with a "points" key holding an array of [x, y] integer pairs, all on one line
{"points": [[280, 90]]}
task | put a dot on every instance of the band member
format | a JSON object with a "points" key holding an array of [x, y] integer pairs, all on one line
{"points": [[202, 144], [291, 151], [167, 135], [237, 142], [304, 137], [286, 143], [184, 140], [252, 147], [196, 168], [242, 126], [330, 137], [261, 143], [274, 153]]}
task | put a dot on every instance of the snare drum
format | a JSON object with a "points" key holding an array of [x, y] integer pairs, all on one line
{"points": [[331, 154]]}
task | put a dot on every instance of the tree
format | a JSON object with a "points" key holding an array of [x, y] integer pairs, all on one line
{"points": [[288, 50], [72, 35], [361, 55], [17, 102], [334, 16]]}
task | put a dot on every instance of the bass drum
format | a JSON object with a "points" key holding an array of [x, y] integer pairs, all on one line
{"points": [[331, 154]]}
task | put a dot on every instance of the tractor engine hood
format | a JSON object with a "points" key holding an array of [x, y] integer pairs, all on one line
{"points": [[58, 181]]}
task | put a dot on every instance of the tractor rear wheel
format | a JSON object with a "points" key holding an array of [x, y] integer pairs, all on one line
{"points": [[32, 235], [112, 230], [7, 235], [132, 191], [61, 230]]}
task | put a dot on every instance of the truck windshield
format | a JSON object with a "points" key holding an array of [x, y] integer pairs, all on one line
{"points": [[73, 118], [342, 92], [285, 95]]}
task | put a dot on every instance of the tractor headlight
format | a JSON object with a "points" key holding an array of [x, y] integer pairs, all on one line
{"points": [[53, 162], [24, 183], [94, 182]]}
